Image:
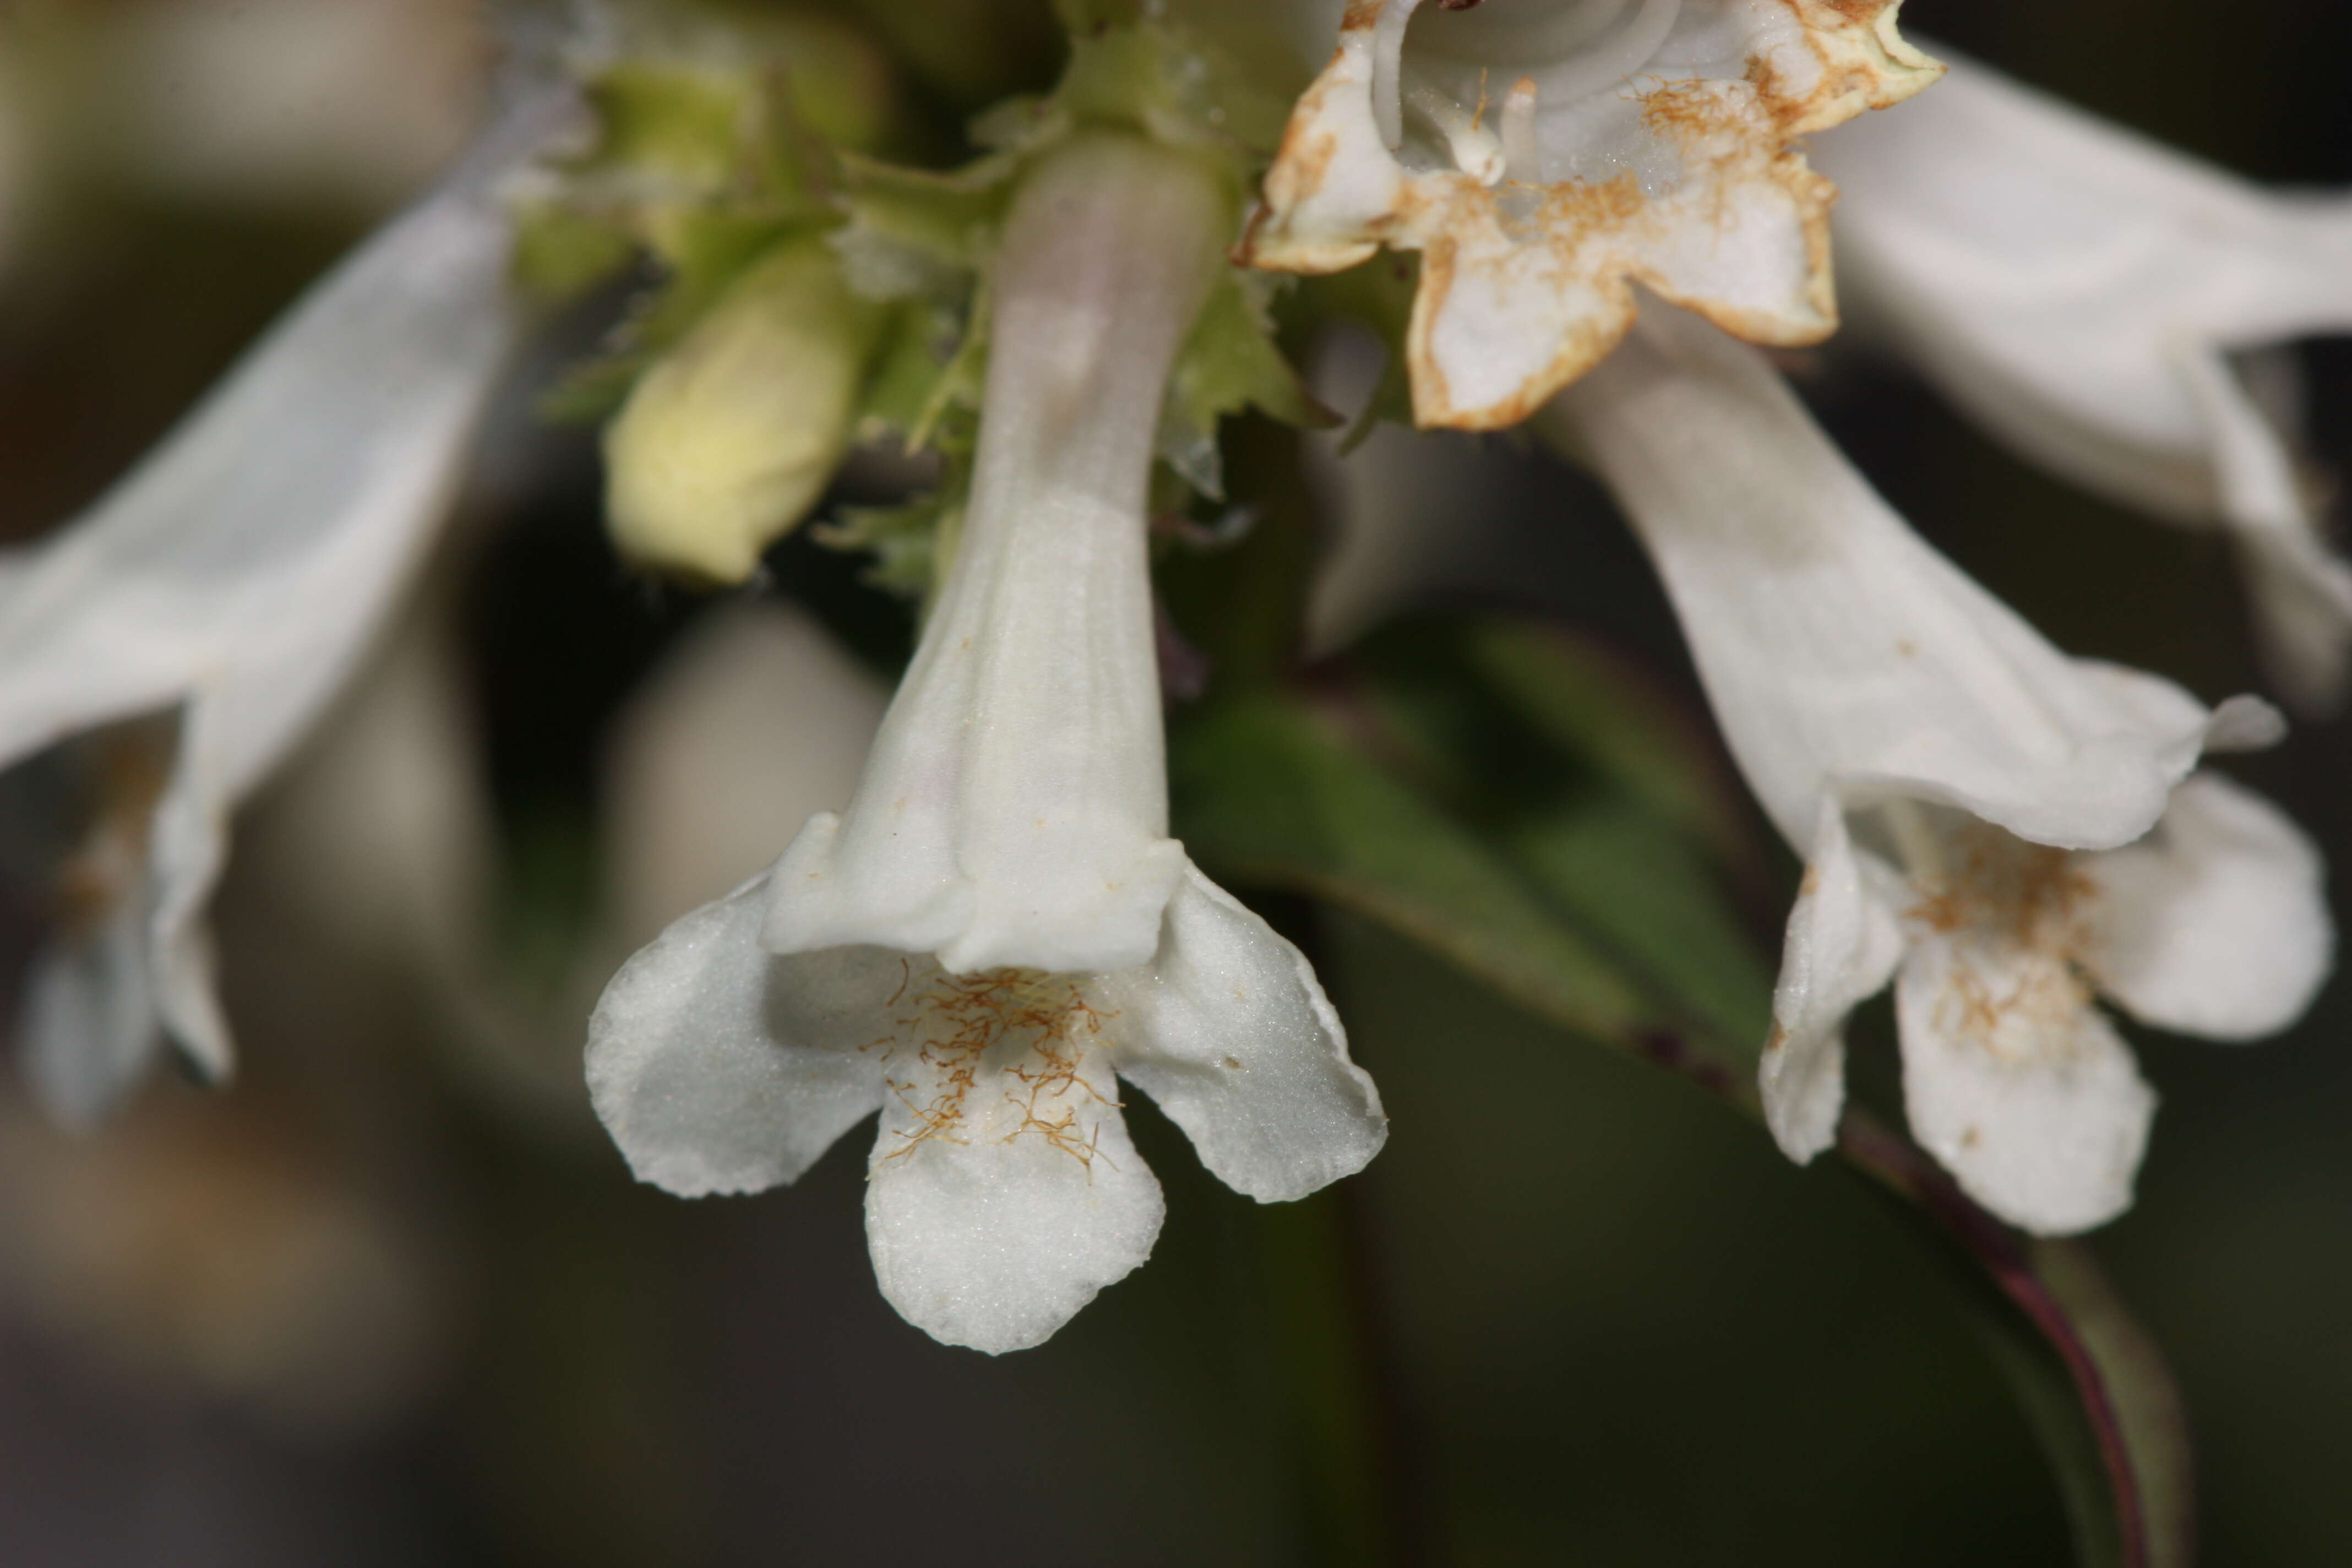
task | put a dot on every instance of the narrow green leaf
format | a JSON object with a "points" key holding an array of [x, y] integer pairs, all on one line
{"points": [[1585, 697], [1613, 870], [2088, 1376], [1269, 796]]}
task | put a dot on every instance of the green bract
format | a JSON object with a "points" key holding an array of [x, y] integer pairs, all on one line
{"points": [[729, 143]]}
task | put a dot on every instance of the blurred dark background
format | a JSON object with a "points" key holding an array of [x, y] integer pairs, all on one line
{"points": [[395, 1300]]}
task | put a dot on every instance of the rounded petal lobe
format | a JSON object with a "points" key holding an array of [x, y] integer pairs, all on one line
{"points": [[718, 1068], [2215, 924], [2018, 1085], [1229, 1032], [993, 1234], [1843, 945]]}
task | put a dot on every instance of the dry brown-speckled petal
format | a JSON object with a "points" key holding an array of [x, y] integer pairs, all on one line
{"points": [[1543, 160]]}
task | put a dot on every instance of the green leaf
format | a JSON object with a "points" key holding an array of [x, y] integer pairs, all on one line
{"points": [[949, 417], [905, 541], [2088, 1376], [1613, 869], [562, 252], [668, 119], [1268, 795], [1227, 365], [919, 343], [2144, 1427], [1592, 783], [1167, 82], [918, 231], [1582, 696]]}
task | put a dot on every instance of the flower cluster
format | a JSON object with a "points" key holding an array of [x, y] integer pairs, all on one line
{"points": [[1610, 201]]}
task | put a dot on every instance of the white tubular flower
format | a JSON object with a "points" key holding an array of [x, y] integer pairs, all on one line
{"points": [[236, 576], [2078, 289], [2008, 827], [998, 923], [1545, 156]]}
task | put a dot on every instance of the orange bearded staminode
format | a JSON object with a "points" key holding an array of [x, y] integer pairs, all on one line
{"points": [[1028, 1033]]}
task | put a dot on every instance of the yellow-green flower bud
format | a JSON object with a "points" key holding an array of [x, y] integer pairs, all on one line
{"points": [[728, 440]]}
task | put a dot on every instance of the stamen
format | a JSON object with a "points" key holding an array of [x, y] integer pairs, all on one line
{"points": [[1474, 149], [1521, 154], [1613, 59], [1388, 70]]}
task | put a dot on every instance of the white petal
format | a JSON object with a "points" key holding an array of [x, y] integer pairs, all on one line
{"points": [[1843, 654], [89, 1030], [1843, 945], [2018, 1085], [2243, 724], [2073, 286], [720, 1068], [1228, 1031], [244, 565], [2215, 924], [2302, 592], [993, 1236], [1543, 158], [1015, 809]]}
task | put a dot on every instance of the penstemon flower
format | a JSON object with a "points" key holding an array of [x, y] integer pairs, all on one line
{"points": [[1543, 159], [2010, 829], [998, 929], [2079, 291], [236, 575]]}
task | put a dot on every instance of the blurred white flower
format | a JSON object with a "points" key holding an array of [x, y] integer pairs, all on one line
{"points": [[223, 1248], [998, 923], [2079, 291], [1544, 158], [353, 100], [750, 724], [1890, 713], [234, 577]]}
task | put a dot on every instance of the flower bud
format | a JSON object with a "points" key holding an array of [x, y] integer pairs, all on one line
{"points": [[728, 440]]}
